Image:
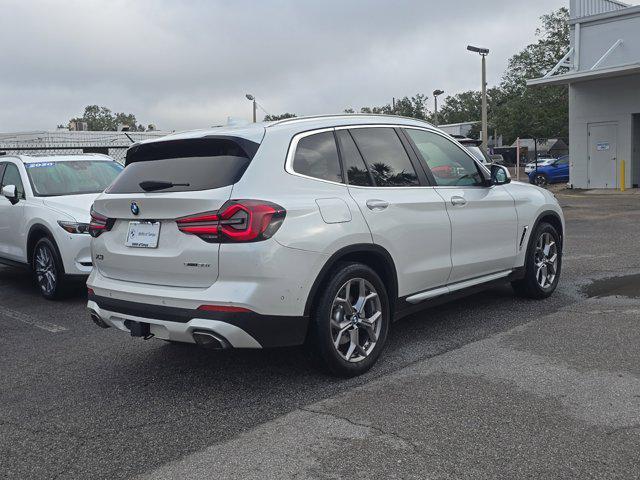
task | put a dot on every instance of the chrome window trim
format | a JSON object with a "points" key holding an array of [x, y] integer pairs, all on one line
{"points": [[293, 145]]}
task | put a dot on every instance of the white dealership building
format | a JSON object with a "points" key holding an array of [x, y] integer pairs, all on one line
{"points": [[603, 76]]}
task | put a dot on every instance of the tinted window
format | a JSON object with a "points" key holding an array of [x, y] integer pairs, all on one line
{"points": [[12, 177], [354, 166], [317, 156], [183, 166], [563, 161], [386, 157], [447, 161], [71, 177]]}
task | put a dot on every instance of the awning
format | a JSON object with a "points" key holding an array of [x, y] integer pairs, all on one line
{"points": [[584, 76]]}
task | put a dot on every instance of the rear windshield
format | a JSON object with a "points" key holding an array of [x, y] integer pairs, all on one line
{"points": [[184, 165], [49, 179]]}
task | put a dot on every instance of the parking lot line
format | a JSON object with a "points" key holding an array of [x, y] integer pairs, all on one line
{"points": [[29, 320]]}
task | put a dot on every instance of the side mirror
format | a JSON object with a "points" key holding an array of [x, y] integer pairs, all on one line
{"points": [[500, 174], [9, 191]]}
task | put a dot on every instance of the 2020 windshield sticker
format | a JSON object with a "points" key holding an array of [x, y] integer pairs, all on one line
{"points": [[40, 164]]}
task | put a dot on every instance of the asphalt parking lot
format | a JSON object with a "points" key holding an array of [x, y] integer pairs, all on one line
{"points": [[488, 387]]}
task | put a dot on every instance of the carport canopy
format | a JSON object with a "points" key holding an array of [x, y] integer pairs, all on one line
{"points": [[584, 76]]}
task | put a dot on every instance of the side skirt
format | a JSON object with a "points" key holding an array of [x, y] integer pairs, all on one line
{"points": [[405, 308], [14, 263]]}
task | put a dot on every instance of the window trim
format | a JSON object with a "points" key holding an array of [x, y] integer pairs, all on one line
{"points": [[293, 147], [425, 181], [484, 172]]}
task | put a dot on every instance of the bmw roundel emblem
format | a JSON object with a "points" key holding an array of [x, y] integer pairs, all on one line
{"points": [[135, 209]]}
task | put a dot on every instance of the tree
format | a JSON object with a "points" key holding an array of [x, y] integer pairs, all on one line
{"points": [[462, 107], [414, 107], [102, 119], [281, 116], [540, 112]]}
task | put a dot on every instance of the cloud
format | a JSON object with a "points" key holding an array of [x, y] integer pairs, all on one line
{"points": [[188, 64]]}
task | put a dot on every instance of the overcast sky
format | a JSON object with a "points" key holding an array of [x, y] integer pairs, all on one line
{"points": [[188, 64]]}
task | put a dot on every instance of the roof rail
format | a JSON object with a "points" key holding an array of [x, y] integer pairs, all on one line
{"points": [[340, 115]]}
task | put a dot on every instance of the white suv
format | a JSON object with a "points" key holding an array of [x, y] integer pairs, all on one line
{"points": [[44, 214], [319, 229]]}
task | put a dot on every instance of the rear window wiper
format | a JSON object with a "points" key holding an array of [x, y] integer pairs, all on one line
{"points": [[151, 185]]}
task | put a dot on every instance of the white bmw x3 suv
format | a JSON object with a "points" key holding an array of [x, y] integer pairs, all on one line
{"points": [[44, 214], [319, 230]]}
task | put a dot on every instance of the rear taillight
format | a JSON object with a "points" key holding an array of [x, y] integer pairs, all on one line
{"points": [[99, 223], [236, 221]]}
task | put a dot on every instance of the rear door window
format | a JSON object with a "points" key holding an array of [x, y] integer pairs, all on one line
{"points": [[184, 165], [386, 157], [316, 156], [355, 169]]}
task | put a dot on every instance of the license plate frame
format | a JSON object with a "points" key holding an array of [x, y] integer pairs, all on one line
{"points": [[139, 230]]}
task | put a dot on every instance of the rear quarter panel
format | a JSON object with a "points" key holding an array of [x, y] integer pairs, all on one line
{"points": [[304, 227]]}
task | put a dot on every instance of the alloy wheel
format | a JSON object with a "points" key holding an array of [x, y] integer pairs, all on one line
{"points": [[356, 320], [546, 260], [45, 269]]}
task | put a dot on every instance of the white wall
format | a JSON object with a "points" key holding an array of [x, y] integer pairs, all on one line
{"points": [[596, 37], [608, 100]]}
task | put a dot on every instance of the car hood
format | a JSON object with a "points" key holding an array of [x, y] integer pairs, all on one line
{"points": [[78, 206]]}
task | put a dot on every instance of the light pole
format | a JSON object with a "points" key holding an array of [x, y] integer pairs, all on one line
{"points": [[253, 99], [485, 129], [436, 93]]}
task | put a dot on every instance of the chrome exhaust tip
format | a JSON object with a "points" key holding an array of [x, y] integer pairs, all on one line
{"points": [[98, 321], [211, 340]]}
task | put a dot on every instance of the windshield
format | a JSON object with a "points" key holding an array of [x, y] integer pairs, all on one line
{"points": [[73, 177]]}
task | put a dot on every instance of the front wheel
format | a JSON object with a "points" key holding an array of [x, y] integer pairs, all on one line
{"points": [[48, 269], [542, 264], [350, 320]]}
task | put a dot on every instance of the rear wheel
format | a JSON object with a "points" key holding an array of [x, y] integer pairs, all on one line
{"points": [[542, 265], [48, 269], [541, 180], [350, 320]]}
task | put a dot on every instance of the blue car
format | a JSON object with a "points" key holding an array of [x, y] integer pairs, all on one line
{"points": [[556, 172]]}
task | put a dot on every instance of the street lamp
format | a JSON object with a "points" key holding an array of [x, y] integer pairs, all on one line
{"points": [[436, 93], [253, 99], [485, 129]]}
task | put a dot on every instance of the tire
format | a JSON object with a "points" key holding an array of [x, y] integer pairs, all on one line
{"points": [[335, 322], [540, 180], [531, 285], [48, 270]]}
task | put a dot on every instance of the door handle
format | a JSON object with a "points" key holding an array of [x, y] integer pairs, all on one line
{"points": [[377, 205], [458, 201]]}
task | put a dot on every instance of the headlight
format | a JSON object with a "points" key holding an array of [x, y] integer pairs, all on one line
{"points": [[74, 227]]}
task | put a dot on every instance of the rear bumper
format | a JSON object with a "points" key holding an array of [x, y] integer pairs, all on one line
{"points": [[240, 330]]}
